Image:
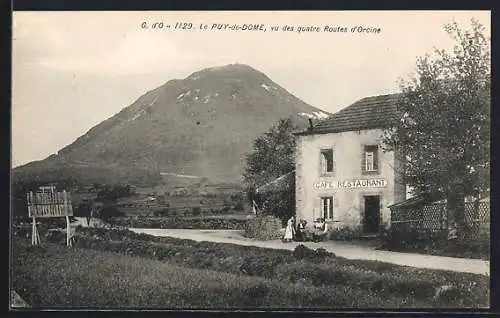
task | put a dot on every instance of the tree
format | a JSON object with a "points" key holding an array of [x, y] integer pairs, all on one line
{"points": [[443, 134], [273, 156], [114, 192]]}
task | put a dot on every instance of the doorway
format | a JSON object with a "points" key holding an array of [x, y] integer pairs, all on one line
{"points": [[372, 214]]}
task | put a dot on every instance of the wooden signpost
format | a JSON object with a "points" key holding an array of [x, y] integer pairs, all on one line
{"points": [[48, 203]]}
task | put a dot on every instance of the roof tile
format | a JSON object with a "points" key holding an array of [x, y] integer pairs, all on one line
{"points": [[368, 113]]}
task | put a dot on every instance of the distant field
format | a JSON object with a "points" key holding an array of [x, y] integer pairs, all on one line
{"points": [[144, 204], [184, 212]]}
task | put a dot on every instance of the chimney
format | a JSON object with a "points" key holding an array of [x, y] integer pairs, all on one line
{"points": [[310, 123]]}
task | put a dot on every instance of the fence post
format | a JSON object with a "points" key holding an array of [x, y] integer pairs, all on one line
{"points": [[33, 231], [67, 217], [444, 217]]}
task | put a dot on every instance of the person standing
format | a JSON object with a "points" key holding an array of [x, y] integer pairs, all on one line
{"points": [[289, 230], [299, 233]]}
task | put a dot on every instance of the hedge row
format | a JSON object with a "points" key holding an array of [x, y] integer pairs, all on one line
{"points": [[173, 211], [305, 266], [179, 223], [344, 234], [263, 228], [436, 243]]}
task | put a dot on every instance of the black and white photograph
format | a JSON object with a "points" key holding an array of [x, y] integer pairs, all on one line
{"points": [[250, 160]]}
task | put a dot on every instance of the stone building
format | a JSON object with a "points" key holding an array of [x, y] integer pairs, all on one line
{"points": [[342, 174]]}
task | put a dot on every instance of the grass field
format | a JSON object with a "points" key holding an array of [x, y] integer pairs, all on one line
{"points": [[54, 276], [174, 273]]}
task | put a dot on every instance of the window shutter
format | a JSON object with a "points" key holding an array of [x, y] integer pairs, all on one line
{"points": [[363, 159], [329, 160], [330, 212], [375, 158], [326, 161], [322, 165], [333, 161], [323, 209]]}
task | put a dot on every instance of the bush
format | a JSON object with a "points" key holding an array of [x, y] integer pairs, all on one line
{"points": [[344, 234], [322, 253], [278, 203], [302, 252], [162, 212], [109, 212], [239, 206], [22, 230], [263, 228], [410, 239], [58, 237], [83, 209], [197, 210]]}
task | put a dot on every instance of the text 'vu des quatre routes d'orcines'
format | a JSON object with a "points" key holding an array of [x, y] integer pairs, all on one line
{"points": [[259, 27]]}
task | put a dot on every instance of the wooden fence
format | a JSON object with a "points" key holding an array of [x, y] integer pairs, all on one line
{"points": [[434, 218]]}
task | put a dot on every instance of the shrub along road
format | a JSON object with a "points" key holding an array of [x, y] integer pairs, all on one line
{"points": [[347, 250]]}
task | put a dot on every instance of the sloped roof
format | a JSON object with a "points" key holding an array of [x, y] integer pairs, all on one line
{"points": [[368, 113]]}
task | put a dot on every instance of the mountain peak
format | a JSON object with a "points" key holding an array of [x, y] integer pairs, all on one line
{"points": [[230, 67], [203, 125], [228, 70]]}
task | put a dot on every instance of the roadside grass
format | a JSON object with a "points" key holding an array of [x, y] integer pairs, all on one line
{"points": [[54, 276], [474, 244], [384, 279], [229, 249], [469, 249], [431, 244]]}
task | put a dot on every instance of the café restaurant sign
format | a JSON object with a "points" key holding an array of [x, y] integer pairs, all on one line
{"points": [[350, 184]]}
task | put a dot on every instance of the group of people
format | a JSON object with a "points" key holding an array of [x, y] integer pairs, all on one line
{"points": [[297, 231], [294, 231]]}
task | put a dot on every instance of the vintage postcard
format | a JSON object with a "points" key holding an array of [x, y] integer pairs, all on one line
{"points": [[259, 160]]}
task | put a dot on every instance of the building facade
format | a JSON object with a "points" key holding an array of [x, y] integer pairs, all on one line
{"points": [[342, 174]]}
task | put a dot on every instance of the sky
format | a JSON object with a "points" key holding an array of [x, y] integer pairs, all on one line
{"points": [[72, 70]]}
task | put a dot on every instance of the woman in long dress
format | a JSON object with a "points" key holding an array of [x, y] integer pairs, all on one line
{"points": [[289, 230]]}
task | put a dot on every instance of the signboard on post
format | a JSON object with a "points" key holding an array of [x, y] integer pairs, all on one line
{"points": [[49, 204], [46, 202]]}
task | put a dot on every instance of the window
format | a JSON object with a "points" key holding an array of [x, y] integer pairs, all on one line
{"points": [[369, 160], [326, 161], [327, 208]]}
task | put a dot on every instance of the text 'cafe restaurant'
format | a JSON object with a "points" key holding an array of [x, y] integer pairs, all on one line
{"points": [[342, 175]]}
